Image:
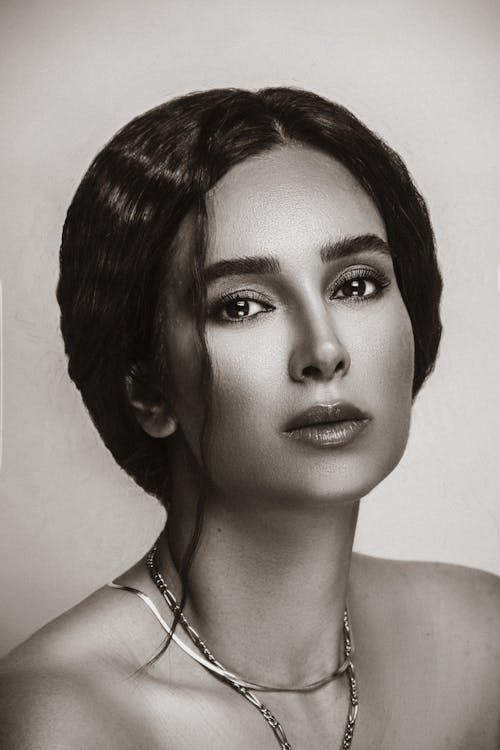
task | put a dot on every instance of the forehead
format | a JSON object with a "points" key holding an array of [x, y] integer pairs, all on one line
{"points": [[286, 202]]}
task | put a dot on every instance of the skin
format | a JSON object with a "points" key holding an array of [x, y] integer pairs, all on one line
{"points": [[302, 341], [300, 344], [275, 563]]}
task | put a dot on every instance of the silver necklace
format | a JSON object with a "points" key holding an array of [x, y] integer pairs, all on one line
{"points": [[244, 687]]}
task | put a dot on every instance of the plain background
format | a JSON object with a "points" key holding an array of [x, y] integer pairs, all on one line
{"points": [[424, 75]]}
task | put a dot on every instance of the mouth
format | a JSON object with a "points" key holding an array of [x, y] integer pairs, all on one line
{"points": [[328, 425]]}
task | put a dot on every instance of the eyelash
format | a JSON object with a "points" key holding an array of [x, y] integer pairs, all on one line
{"points": [[380, 280], [244, 295]]}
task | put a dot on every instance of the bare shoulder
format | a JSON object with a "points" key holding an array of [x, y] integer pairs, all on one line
{"points": [[465, 615], [459, 605], [462, 600], [470, 596], [48, 708], [447, 585], [439, 623], [69, 685]]}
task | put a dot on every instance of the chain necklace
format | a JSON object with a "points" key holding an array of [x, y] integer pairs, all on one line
{"points": [[245, 688]]}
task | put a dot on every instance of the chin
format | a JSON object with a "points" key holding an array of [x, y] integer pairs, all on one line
{"points": [[348, 479], [346, 489], [304, 479]]}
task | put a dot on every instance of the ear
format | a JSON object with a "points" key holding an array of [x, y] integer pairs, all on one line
{"points": [[148, 404]]}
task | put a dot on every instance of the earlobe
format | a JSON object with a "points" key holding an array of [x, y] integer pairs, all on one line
{"points": [[149, 407]]}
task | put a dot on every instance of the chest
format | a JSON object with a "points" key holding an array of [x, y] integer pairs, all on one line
{"points": [[189, 720]]}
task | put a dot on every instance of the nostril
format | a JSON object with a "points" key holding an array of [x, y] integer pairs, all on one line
{"points": [[311, 372], [318, 360]]}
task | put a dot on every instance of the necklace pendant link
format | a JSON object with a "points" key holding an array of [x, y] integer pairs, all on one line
{"points": [[243, 687]]}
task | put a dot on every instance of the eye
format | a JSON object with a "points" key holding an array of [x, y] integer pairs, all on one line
{"points": [[238, 307], [361, 283], [357, 288]]}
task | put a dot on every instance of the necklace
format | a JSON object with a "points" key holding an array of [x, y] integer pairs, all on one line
{"points": [[244, 687]]}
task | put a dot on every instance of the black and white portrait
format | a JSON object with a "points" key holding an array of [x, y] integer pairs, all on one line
{"points": [[250, 296]]}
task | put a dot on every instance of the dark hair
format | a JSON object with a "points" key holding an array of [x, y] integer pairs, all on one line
{"points": [[121, 226]]}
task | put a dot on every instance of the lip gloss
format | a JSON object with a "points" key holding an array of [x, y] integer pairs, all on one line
{"points": [[332, 434]]}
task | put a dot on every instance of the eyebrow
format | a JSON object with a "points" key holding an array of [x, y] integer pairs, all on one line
{"points": [[267, 264]]}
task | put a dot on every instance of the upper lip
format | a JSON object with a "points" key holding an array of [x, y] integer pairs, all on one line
{"points": [[337, 411]]}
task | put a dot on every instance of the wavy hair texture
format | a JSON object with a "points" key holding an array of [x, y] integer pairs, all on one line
{"points": [[118, 243], [119, 238], [121, 225]]}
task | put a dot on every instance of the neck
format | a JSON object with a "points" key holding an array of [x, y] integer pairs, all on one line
{"points": [[268, 584]]}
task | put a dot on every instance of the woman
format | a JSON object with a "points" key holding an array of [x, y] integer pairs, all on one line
{"points": [[250, 303]]}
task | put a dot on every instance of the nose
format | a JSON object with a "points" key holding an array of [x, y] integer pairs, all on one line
{"points": [[318, 353]]}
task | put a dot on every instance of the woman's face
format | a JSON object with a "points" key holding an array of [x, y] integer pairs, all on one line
{"points": [[304, 313]]}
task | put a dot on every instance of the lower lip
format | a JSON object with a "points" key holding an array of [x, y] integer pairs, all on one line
{"points": [[331, 435]]}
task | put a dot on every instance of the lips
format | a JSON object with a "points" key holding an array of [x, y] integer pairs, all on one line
{"points": [[328, 425], [340, 411]]}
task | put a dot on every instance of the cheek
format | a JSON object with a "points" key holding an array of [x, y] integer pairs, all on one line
{"points": [[392, 374], [245, 364], [397, 351], [242, 382], [246, 404]]}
